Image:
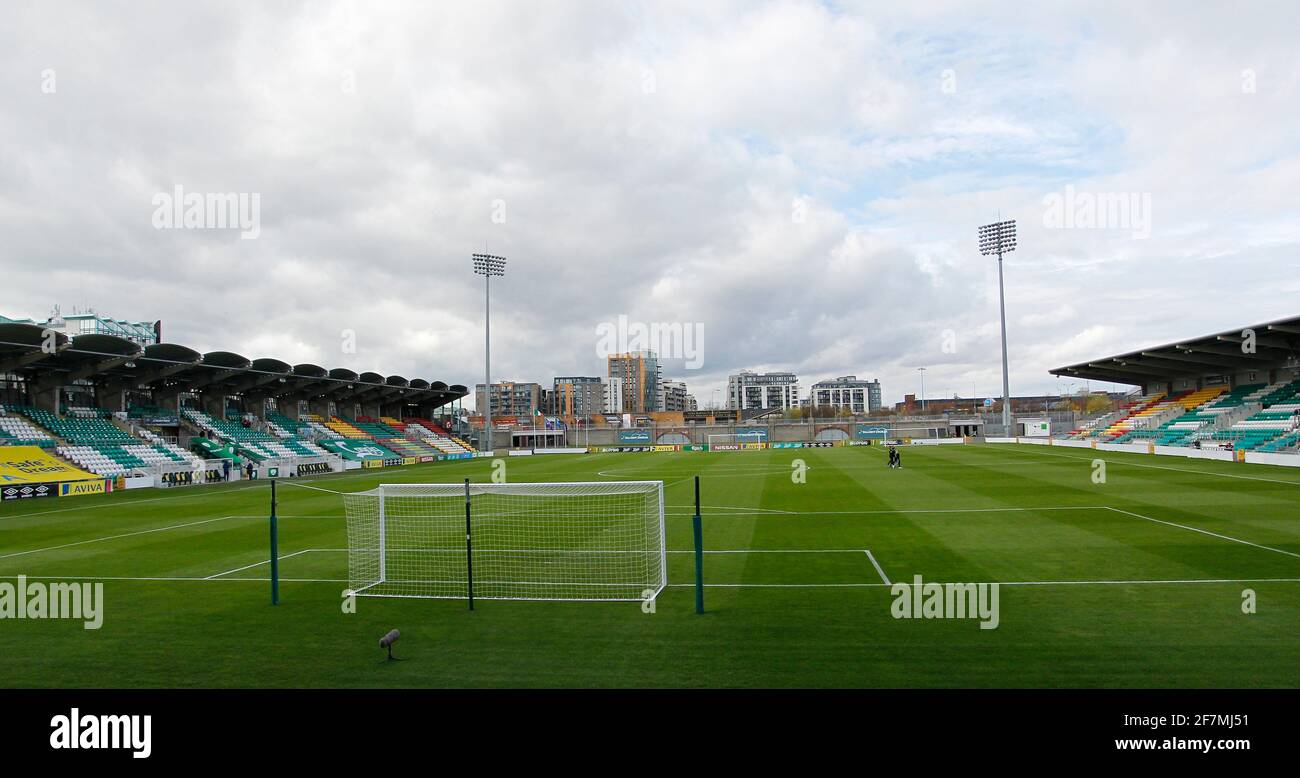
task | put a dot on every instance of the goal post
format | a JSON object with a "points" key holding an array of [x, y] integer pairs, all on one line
{"points": [[734, 439], [531, 541]]}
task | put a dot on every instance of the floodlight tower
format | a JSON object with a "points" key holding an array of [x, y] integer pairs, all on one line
{"points": [[921, 370], [1000, 238], [488, 265]]}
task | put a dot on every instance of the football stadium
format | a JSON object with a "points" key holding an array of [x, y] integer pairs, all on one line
{"points": [[916, 382], [1124, 547]]}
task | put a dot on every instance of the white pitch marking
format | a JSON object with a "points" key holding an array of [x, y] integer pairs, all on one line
{"points": [[115, 537], [256, 564], [1205, 532], [907, 510], [1156, 467], [876, 565], [167, 579], [1154, 582], [129, 503]]}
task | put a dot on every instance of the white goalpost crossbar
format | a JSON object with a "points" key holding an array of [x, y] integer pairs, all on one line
{"points": [[545, 541]]}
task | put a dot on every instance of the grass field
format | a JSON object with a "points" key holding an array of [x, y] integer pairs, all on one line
{"points": [[1135, 582]]}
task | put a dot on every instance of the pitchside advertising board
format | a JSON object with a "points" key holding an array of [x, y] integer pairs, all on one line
{"points": [[27, 491], [28, 472], [634, 437], [870, 432]]}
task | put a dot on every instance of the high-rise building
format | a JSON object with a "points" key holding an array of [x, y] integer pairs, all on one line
{"points": [[748, 390], [673, 396], [613, 390], [639, 375], [847, 392], [577, 396], [510, 398]]}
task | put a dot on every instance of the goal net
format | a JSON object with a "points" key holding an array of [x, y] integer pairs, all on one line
{"points": [[735, 439], [556, 541]]}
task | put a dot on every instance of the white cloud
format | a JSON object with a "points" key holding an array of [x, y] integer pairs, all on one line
{"points": [[648, 159]]}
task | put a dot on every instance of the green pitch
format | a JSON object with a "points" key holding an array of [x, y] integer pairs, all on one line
{"points": [[1137, 581]]}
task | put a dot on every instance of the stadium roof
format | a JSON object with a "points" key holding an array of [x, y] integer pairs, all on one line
{"points": [[1276, 343], [49, 358]]}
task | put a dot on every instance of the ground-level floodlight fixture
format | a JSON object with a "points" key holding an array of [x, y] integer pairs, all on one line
{"points": [[997, 239], [388, 640]]}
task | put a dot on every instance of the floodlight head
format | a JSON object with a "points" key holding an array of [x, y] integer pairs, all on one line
{"points": [[489, 265], [998, 237]]}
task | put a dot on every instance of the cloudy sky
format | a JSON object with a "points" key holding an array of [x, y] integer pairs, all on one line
{"points": [[798, 182]]}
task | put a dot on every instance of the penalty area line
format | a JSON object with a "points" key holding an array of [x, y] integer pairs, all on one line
{"points": [[115, 537], [1205, 532], [282, 557], [876, 565]]}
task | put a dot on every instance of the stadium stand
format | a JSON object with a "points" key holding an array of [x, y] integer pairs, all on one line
{"points": [[119, 406], [1236, 390]]}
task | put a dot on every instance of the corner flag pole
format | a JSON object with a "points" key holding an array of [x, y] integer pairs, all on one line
{"points": [[469, 551], [275, 553], [698, 530]]}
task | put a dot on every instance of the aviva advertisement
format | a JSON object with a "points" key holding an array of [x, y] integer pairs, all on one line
{"points": [[70, 488]]}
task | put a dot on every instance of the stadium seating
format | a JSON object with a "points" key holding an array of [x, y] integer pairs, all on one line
{"points": [[345, 429], [1138, 415], [174, 450], [17, 431], [409, 448], [117, 460], [375, 429], [148, 411], [316, 424], [434, 435], [80, 431], [82, 412], [255, 443], [284, 427], [1287, 442]]}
